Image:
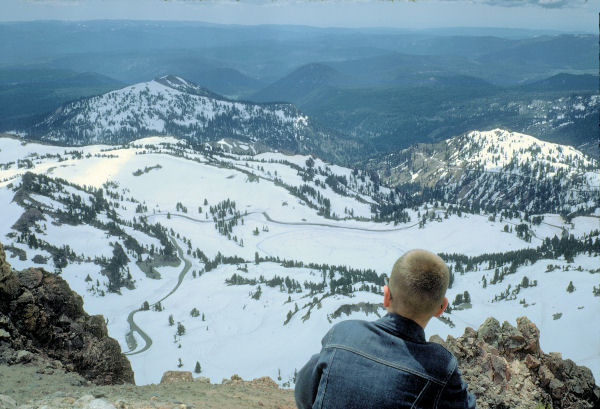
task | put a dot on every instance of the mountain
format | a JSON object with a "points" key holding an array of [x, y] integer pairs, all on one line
{"points": [[565, 82], [578, 52], [499, 169], [300, 83], [436, 107], [26, 94], [171, 105], [132, 51], [228, 81]]}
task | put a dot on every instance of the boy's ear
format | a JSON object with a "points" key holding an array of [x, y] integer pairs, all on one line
{"points": [[386, 296], [442, 307]]}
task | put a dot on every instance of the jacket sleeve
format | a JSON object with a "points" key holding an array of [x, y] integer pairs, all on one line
{"points": [[455, 394], [307, 383]]}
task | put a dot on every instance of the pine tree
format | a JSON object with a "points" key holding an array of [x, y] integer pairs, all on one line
{"points": [[570, 287], [180, 329], [171, 320], [198, 367]]}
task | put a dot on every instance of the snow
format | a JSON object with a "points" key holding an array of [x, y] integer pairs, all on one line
{"points": [[247, 336], [575, 334], [150, 106], [497, 148]]}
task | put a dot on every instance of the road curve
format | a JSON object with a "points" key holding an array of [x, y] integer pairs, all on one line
{"points": [[133, 327], [334, 226], [271, 220]]}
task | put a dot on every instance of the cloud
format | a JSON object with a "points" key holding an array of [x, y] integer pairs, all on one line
{"points": [[548, 4], [551, 4]]}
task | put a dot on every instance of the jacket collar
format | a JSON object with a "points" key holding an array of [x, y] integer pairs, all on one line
{"points": [[402, 327]]}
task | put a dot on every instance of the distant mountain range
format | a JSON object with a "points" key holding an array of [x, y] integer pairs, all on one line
{"points": [[392, 110], [27, 93], [381, 89]]}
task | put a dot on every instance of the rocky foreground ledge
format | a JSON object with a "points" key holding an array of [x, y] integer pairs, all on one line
{"points": [[505, 368], [54, 356], [42, 319]]}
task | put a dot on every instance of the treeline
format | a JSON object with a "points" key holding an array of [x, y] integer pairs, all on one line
{"points": [[568, 246], [286, 284], [77, 210]]}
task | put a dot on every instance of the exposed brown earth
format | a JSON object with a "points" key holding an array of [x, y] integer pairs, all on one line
{"points": [[35, 387]]}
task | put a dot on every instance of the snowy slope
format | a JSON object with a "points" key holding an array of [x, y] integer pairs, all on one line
{"points": [[171, 105], [236, 331], [502, 169]]}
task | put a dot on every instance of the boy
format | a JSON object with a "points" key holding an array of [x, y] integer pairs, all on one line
{"points": [[387, 363]]}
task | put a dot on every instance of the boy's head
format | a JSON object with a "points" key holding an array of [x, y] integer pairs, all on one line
{"points": [[417, 285]]}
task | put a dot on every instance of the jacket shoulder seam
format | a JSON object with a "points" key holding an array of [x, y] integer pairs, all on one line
{"points": [[384, 362]]}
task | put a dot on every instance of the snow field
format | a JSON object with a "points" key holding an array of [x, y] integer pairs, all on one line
{"points": [[247, 336], [574, 334], [244, 335]]}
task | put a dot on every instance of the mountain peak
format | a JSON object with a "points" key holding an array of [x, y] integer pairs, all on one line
{"points": [[497, 148], [173, 106], [177, 83]]}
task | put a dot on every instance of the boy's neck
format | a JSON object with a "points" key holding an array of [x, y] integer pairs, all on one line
{"points": [[422, 321]]}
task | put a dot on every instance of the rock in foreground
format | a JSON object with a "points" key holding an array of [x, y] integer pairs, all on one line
{"points": [[42, 318], [505, 368]]}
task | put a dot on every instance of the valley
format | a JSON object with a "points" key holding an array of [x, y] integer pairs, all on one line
{"points": [[238, 260]]}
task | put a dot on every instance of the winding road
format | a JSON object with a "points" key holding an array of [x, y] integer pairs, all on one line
{"points": [[133, 327], [271, 220]]}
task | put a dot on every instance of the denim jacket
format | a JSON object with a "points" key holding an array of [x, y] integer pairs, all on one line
{"points": [[382, 364]]}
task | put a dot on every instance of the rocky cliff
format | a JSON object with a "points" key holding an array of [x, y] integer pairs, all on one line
{"points": [[505, 368], [42, 318]]}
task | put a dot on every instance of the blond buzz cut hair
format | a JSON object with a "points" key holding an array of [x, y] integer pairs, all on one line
{"points": [[419, 281]]}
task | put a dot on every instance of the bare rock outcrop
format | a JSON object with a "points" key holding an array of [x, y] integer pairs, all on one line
{"points": [[177, 376], [40, 316], [505, 368]]}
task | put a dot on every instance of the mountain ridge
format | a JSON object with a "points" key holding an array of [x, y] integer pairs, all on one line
{"points": [[498, 168], [171, 105]]}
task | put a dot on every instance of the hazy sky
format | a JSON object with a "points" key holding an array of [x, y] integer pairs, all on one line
{"points": [[565, 15]]}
